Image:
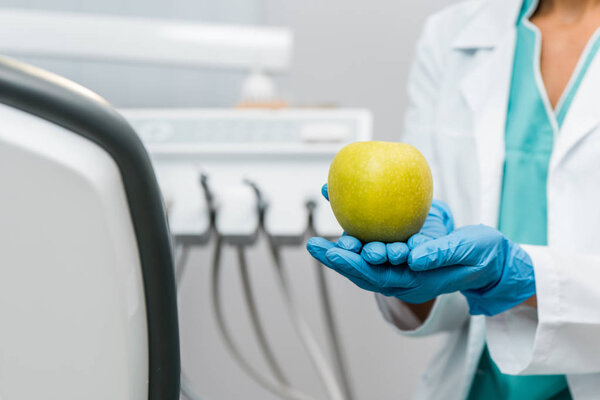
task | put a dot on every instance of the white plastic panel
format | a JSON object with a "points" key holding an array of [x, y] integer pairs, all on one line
{"points": [[286, 217], [71, 294], [237, 217], [187, 209], [285, 152], [244, 131]]}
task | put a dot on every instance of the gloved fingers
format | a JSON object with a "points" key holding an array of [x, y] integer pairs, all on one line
{"points": [[350, 272], [350, 243], [443, 211], [418, 239], [361, 283], [324, 192], [397, 253], [348, 262], [438, 223], [382, 277], [453, 278], [464, 246], [430, 284], [374, 253], [434, 225], [317, 247], [441, 252]]}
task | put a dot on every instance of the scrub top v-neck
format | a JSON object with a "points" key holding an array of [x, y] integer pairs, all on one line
{"points": [[531, 127]]}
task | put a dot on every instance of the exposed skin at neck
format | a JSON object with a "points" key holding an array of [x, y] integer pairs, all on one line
{"points": [[569, 11], [566, 27]]}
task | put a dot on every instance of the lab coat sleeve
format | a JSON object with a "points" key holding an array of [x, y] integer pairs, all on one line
{"points": [[423, 89], [449, 312], [563, 336]]}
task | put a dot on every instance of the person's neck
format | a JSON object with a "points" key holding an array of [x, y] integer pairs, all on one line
{"points": [[569, 11]]}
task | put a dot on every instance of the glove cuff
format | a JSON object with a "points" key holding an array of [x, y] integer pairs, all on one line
{"points": [[516, 285]]}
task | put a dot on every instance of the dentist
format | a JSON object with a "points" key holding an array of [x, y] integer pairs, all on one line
{"points": [[505, 104]]}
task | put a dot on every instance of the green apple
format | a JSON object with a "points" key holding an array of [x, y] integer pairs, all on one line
{"points": [[380, 191]]}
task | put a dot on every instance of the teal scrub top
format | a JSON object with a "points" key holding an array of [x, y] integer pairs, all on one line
{"points": [[531, 126]]}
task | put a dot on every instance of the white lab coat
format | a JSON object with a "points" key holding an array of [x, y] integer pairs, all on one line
{"points": [[458, 91]]}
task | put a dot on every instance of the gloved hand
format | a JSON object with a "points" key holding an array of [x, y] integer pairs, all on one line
{"points": [[493, 273], [372, 267]]}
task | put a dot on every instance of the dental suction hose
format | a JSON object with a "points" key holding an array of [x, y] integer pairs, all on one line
{"points": [[327, 307], [182, 255], [186, 387], [303, 331], [255, 320], [299, 325], [275, 387], [279, 385], [249, 296]]}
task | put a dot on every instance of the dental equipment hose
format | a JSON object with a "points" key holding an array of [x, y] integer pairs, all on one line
{"points": [[332, 332], [276, 387], [326, 305], [255, 319], [299, 325], [187, 389], [280, 386], [180, 263], [303, 331]]}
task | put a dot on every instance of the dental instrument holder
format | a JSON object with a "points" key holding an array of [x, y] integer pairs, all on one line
{"points": [[281, 385], [250, 188]]}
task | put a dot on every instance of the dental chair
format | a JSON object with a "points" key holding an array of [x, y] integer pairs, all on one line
{"points": [[87, 295]]}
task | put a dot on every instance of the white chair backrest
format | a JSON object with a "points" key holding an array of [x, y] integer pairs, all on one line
{"points": [[87, 295]]}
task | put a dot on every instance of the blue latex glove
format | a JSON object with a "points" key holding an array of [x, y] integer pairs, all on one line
{"points": [[493, 273], [439, 223], [373, 267], [496, 274]]}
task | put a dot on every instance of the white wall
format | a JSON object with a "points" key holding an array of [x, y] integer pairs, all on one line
{"points": [[349, 53], [354, 52]]}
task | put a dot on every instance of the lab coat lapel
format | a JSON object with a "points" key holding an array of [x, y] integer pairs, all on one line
{"points": [[486, 89], [582, 117]]}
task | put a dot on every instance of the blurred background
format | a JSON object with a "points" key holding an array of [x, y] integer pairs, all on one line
{"points": [[346, 53], [350, 53]]}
